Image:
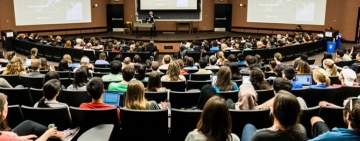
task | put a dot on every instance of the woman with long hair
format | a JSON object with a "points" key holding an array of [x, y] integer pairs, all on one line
{"points": [[286, 113], [303, 68], [206, 92], [320, 78], [80, 80], [44, 64], [141, 70], [330, 67], [235, 72], [51, 90], [222, 59], [10, 55], [26, 130], [257, 79], [272, 65], [181, 65], [14, 67], [215, 123], [327, 55], [223, 81], [67, 57], [154, 83], [68, 44], [135, 98], [33, 53], [63, 65], [173, 73], [278, 57]]}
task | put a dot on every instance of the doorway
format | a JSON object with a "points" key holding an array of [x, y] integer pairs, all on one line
{"points": [[222, 14], [357, 36]]}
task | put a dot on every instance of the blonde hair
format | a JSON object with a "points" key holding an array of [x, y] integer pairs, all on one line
{"points": [[223, 47], [135, 96], [67, 57], [319, 74], [33, 53], [14, 67], [67, 44], [166, 59], [221, 57], [278, 56], [132, 48], [173, 71], [331, 65]]}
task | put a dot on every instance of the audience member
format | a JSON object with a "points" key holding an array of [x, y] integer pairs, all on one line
{"points": [[51, 90], [222, 59], [173, 73], [187, 48], [141, 70], [154, 83], [190, 64], [330, 68], [355, 65], [63, 65], [14, 67], [79, 44], [289, 74], [202, 65], [165, 62], [101, 61], [44, 64], [232, 58], [257, 79], [303, 68], [277, 58], [128, 73], [115, 69], [235, 72], [347, 78], [181, 65], [10, 55], [137, 60], [249, 60], [127, 62], [212, 63], [247, 98], [259, 60], [80, 80], [223, 81], [341, 56], [272, 66], [215, 123], [321, 80], [85, 61], [35, 66], [67, 57], [240, 59], [33, 54]]}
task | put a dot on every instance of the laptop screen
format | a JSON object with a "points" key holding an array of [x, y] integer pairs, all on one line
{"points": [[305, 79], [213, 79], [245, 79], [113, 98]]}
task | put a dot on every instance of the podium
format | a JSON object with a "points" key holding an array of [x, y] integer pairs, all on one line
{"points": [[7, 37], [330, 34]]}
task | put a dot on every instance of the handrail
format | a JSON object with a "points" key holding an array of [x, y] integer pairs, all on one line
{"points": [[272, 29], [66, 30]]}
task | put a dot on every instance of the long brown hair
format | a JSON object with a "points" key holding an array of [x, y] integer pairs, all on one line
{"points": [[303, 67], [135, 96], [215, 120], [153, 81], [286, 109], [173, 71], [224, 79], [257, 79], [3, 122], [44, 64]]}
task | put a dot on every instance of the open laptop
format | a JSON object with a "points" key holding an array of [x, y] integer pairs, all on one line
{"points": [[113, 98], [304, 79], [245, 79], [213, 79]]}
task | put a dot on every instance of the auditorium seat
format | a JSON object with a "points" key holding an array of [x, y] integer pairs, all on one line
{"points": [[33, 82], [13, 80], [184, 99], [90, 54], [174, 85], [182, 122], [75, 98], [19, 96], [264, 95], [333, 117], [194, 84], [305, 117], [322, 94], [57, 55], [14, 116], [233, 95], [157, 96], [77, 55], [259, 118]]}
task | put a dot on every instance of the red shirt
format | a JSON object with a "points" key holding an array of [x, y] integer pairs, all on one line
{"points": [[93, 105], [182, 71]]}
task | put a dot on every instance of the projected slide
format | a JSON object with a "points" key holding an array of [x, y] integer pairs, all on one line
{"points": [[287, 11], [168, 4], [35, 12]]}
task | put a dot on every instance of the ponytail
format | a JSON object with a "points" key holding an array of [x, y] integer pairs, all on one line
{"points": [[42, 104], [333, 70], [327, 81]]}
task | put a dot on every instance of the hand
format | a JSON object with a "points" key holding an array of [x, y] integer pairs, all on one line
{"points": [[163, 104], [323, 103], [51, 132], [28, 137]]}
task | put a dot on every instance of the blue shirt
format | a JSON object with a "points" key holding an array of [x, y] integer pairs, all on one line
{"points": [[296, 85], [74, 65], [240, 63], [215, 48], [338, 134], [101, 62], [217, 89], [319, 86], [190, 68]]}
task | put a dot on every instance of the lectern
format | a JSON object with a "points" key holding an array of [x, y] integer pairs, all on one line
{"points": [[7, 37], [330, 34]]}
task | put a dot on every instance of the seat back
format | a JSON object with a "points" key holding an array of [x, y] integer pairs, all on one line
{"points": [[36, 94], [346, 92], [19, 96], [88, 118], [57, 55], [45, 116], [183, 121], [90, 54], [184, 99], [13, 80], [305, 117], [14, 116], [264, 95], [75, 98], [334, 80], [174, 85], [301, 92], [144, 56], [105, 70], [333, 116], [64, 74], [233, 95], [322, 94], [48, 52], [101, 66], [200, 77], [192, 84], [259, 118], [32, 82], [156, 96], [152, 124], [77, 55], [112, 55]]}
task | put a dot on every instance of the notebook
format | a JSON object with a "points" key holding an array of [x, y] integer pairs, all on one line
{"points": [[245, 79], [113, 98], [305, 79]]}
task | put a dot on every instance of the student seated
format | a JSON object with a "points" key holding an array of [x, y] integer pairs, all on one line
{"points": [[347, 78], [240, 59], [141, 70], [154, 83], [257, 79], [35, 66], [223, 81], [181, 65], [321, 80], [190, 64], [289, 74], [202, 65], [235, 72], [80, 80], [173, 73], [165, 62], [102, 57], [249, 60], [95, 89], [115, 69], [51, 90], [330, 67], [217, 128], [128, 73]]}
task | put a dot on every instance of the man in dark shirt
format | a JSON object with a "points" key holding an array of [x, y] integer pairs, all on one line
{"points": [[152, 18], [355, 65], [249, 60]]}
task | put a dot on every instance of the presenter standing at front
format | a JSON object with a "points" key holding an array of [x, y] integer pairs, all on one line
{"points": [[152, 20]]}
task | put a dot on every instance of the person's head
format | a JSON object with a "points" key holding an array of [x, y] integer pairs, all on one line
{"points": [[330, 65], [128, 73], [339, 53], [286, 109], [190, 61], [180, 63], [84, 61], [221, 55], [278, 70], [95, 88], [10, 55], [202, 63], [212, 60], [67, 57], [167, 59], [154, 65], [257, 78], [116, 47], [351, 113], [272, 65], [281, 84], [235, 72], [277, 57], [240, 57], [51, 75], [249, 60], [4, 112], [231, 58], [224, 79], [102, 56], [44, 64], [118, 57], [304, 57], [63, 65], [115, 67], [151, 13], [215, 120], [51, 90], [320, 77], [33, 53], [35, 64], [289, 73], [173, 71], [327, 55], [154, 81], [127, 61], [80, 78], [141, 70], [348, 76], [258, 58], [135, 96], [67, 44], [303, 67], [137, 59]]}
